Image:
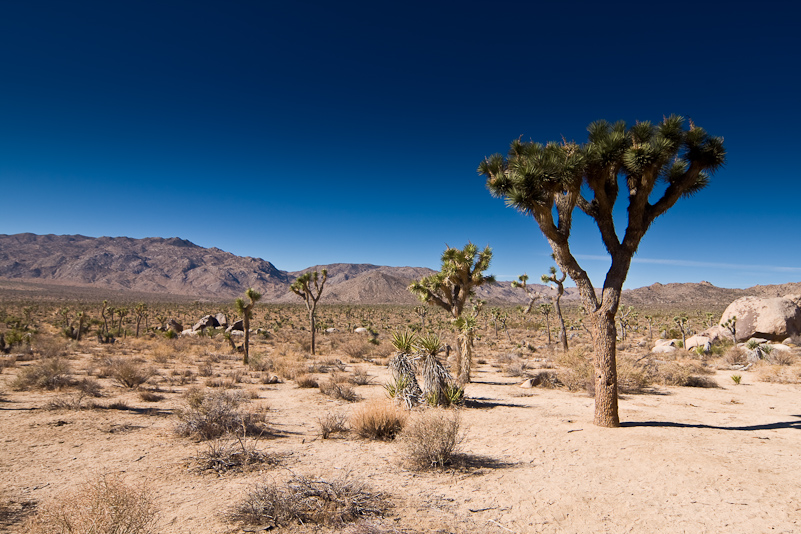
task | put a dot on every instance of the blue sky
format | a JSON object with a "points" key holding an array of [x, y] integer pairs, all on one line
{"points": [[319, 132]]}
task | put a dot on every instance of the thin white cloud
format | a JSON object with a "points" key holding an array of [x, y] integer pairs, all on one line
{"points": [[690, 263]]}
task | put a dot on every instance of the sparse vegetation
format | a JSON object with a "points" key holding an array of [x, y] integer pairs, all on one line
{"points": [[209, 414], [378, 420], [431, 438], [303, 500], [106, 505]]}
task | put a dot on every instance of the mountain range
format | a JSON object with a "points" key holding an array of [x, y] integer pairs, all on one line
{"points": [[176, 267]]}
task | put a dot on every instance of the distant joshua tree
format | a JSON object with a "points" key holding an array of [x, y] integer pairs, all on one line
{"points": [[551, 278], [309, 287], [462, 271], [246, 310], [522, 282]]}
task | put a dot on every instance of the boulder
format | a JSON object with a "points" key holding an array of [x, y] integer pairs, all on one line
{"points": [[663, 349], [175, 326], [331, 330], [362, 330], [665, 343], [222, 320], [238, 326], [697, 341], [771, 318], [189, 332], [208, 321]]}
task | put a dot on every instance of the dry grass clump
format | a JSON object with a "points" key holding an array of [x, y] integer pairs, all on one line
{"points": [[338, 390], [7, 361], [106, 505], [735, 357], [378, 420], [306, 380], [210, 414], [575, 370], [49, 373], [357, 349], [223, 456], [129, 372], [332, 423], [779, 374], [632, 376], [781, 357], [150, 396], [685, 374], [431, 439], [360, 377], [303, 500]]}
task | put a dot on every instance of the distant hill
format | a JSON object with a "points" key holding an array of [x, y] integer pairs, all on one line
{"points": [[175, 268]]}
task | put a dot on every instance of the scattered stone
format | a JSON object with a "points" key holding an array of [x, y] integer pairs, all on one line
{"points": [[663, 349], [698, 341]]}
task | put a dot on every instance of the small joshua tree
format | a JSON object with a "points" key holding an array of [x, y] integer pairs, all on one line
{"points": [[422, 311], [309, 287], [521, 282], [140, 311], [246, 310], [625, 318], [681, 322], [551, 278], [462, 271], [731, 326]]}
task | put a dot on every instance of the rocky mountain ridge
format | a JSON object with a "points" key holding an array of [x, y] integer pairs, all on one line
{"points": [[176, 267]]}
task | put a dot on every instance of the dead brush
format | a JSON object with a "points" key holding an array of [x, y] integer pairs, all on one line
{"points": [[306, 381], [209, 414], [378, 421], [678, 374], [360, 377], [336, 390], [332, 423], [226, 456], [128, 372], [431, 439], [106, 505], [49, 373], [575, 370], [303, 500], [356, 349]]}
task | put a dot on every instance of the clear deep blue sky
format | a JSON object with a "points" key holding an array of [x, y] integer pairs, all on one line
{"points": [[318, 132]]}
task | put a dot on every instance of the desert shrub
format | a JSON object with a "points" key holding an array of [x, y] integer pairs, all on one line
{"points": [[332, 423], [260, 362], [575, 370], [779, 374], [238, 456], [129, 372], [338, 391], [49, 347], [306, 381], [107, 505], [50, 373], [150, 396], [450, 395], [360, 377], [781, 357], [209, 414], [378, 420], [677, 374], [735, 356], [221, 382], [356, 349], [546, 380], [7, 361], [89, 386], [303, 500], [632, 376], [516, 368], [430, 440]]}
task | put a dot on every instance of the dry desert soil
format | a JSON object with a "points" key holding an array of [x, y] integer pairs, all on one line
{"points": [[687, 459]]}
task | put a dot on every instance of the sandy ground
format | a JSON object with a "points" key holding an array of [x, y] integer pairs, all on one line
{"points": [[686, 460]]}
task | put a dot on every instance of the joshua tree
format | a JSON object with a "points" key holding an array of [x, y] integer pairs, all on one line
{"points": [[81, 316], [650, 319], [309, 287], [681, 322], [246, 310], [122, 313], [422, 311], [625, 317], [545, 310], [549, 182], [551, 278], [462, 271], [532, 297], [731, 326], [141, 313]]}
